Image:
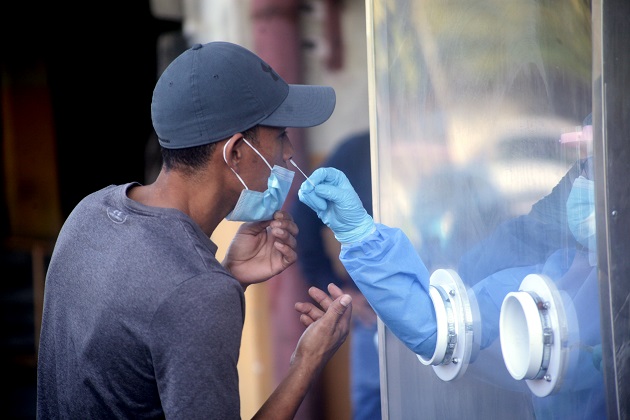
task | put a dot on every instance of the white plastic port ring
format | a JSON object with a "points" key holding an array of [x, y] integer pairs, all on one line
{"points": [[526, 335], [446, 335], [534, 331], [454, 325]]}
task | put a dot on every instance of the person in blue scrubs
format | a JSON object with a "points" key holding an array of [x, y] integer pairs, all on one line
{"points": [[553, 239]]}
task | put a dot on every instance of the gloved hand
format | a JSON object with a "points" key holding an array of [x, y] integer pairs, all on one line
{"points": [[329, 193]]}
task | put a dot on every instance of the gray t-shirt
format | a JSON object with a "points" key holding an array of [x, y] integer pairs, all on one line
{"points": [[140, 319]]}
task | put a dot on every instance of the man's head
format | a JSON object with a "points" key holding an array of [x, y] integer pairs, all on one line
{"points": [[215, 90]]}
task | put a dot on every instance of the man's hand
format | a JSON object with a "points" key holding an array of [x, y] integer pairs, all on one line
{"points": [[260, 250], [327, 327]]}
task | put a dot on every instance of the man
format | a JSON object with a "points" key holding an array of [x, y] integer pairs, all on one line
{"points": [[140, 319]]}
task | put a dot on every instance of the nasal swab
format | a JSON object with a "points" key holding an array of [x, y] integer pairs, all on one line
{"points": [[302, 172]]}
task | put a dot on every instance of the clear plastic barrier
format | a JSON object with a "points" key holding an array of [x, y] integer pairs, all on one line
{"points": [[484, 139]]}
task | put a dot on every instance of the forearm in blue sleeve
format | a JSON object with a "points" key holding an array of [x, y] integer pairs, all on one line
{"points": [[390, 274]]}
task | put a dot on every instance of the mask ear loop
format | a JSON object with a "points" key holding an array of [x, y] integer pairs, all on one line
{"points": [[258, 153], [254, 149], [232, 169]]}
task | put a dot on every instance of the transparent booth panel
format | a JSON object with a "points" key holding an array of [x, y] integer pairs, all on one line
{"points": [[482, 133]]}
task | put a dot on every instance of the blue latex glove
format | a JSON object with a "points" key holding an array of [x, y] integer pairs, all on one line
{"points": [[329, 193]]}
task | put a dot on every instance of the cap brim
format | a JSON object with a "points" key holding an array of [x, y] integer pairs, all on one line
{"points": [[304, 106]]}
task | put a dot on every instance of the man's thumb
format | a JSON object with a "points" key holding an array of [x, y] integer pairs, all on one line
{"points": [[341, 304]]}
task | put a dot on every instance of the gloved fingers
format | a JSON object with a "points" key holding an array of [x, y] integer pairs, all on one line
{"points": [[311, 199], [342, 197], [307, 187], [328, 176]]}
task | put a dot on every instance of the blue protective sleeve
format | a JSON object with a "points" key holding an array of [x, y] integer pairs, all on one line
{"points": [[390, 274]]}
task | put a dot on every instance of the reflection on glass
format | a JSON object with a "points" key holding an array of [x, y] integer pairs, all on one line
{"points": [[484, 138], [555, 239]]}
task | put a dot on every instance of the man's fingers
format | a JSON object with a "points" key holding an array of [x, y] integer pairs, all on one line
{"points": [[253, 228], [320, 297], [339, 311], [282, 215], [306, 320], [334, 290], [283, 221], [309, 310], [289, 256]]}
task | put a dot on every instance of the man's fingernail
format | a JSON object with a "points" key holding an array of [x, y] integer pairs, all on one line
{"points": [[345, 300]]}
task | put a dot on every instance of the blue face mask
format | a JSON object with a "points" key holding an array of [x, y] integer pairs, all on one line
{"points": [[581, 212], [254, 206]]}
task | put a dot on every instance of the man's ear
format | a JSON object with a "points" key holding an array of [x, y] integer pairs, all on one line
{"points": [[233, 150]]}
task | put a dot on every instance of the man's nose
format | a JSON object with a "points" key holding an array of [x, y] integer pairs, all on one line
{"points": [[288, 150]]}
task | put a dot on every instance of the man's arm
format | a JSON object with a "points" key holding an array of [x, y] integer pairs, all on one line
{"points": [[325, 333]]}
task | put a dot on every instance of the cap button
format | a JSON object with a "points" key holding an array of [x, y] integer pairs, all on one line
{"points": [[196, 46]]}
